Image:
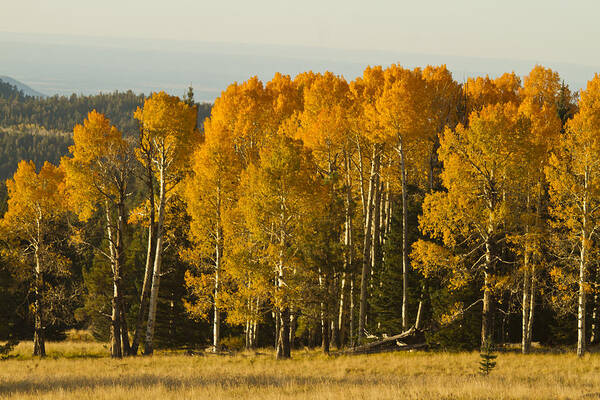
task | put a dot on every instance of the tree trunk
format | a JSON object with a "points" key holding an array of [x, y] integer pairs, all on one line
{"points": [[529, 280], [486, 320], [218, 257], [39, 342], [277, 319], [351, 327], [254, 333], [323, 315], [400, 150], [115, 332], [376, 231], [293, 323], [216, 317], [595, 331], [116, 350], [119, 252], [348, 252], [581, 305], [283, 334], [148, 269], [247, 334], [595, 328], [419, 315], [283, 341], [526, 292], [531, 307], [150, 326], [487, 313], [362, 317], [526, 288]]}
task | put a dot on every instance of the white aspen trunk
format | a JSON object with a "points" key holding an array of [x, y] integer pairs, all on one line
{"points": [[367, 247], [119, 251], [218, 256], [486, 320], [376, 232], [148, 268], [39, 342], [293, 323], [361, 174], [150, 326], [115, 332], [324, 320], [526, 290], [255, 323], [348, 253], [526, 304], [595, 309], [419, 315], [531, 306], [247, 334], [283, 336], [216, 317], [581, 304], [581, 340], [400, 150], [351, 328]]}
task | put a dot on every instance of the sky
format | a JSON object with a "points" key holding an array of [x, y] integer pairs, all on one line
{"points": [[542, 31]]}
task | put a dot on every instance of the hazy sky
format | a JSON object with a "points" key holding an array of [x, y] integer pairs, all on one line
{"points": [[542, 30]]}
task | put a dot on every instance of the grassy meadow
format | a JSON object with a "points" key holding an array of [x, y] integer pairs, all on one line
{"points": [[83, 370]]}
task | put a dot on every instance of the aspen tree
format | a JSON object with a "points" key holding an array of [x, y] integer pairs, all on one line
{"points": [[323, 128], [365, 91], [481, 166], [209, 194], [573, 174], [169, 130], [539, 98], [97, 175], [35, 202], [277, 195], [402, 110]]}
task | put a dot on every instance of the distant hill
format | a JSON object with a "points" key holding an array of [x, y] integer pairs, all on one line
{"points": [[27, 91]]}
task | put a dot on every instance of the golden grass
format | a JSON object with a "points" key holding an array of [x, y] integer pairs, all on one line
{"points": [[309, 375]]}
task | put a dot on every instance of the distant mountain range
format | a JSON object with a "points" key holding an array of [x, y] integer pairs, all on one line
{"points": [[22, 87], [55, 64]]}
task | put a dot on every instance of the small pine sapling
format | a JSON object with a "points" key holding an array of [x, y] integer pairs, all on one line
{"points": [[487, 363]]}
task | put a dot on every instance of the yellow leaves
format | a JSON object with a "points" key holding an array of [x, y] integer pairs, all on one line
{"points": [[541, 86], [34, 199], [486, 156], [99, 156], [403, 107], [245, 112], [168, 129], [485, 91], [286, 96], [96, 139], [573, 171], [433, 260], [324, 119], [451, 314], [201, 288]]}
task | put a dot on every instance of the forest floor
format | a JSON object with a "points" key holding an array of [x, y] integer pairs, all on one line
{"points": [[79, 370]]}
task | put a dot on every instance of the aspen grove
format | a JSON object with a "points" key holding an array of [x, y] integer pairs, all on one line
{"points": [[314, 211]]}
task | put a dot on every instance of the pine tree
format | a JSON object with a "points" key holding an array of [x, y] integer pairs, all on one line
{"points": [[487, 363]]}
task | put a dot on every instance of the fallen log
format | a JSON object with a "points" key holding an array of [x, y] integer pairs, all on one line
{"points": [[408, 340]]}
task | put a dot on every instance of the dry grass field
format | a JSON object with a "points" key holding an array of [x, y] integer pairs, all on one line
{"points": [[80, 370]]}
